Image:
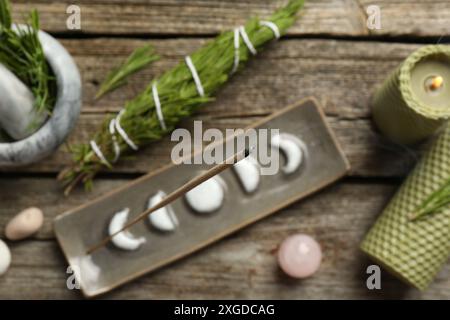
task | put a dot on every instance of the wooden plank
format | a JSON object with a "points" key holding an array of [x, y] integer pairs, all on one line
{"points": [[342, 75], [242, 266], [192, 16], [412, 17], [370, 155], [45, 193], [320, 17], [20, 193]]}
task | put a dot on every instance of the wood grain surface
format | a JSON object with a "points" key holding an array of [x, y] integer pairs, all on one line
{"points": [[243, 265], [193, 17], [342, 75], [329, 54]]}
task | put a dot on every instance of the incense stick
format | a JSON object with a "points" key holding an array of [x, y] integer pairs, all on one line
{"points": [[176, 194]]}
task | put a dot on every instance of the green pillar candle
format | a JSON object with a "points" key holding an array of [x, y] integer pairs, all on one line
{"points": [[414, 101], [415, 250]]}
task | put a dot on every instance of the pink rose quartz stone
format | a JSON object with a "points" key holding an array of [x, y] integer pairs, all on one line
{"points": [[300, 256]]}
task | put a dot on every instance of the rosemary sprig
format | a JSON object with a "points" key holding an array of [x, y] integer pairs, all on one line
{"points": [[178, 95], [437, 201], [140, 58], [22, 53]]}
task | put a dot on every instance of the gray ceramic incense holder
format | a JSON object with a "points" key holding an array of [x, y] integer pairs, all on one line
{"points": [[65, 113], [79, 229]]}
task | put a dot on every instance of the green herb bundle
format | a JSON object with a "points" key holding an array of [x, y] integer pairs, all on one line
{"points": [[140, 58], [178, 96], [21, 52]]}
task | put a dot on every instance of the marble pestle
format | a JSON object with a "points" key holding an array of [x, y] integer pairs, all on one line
{"points": [[18, 118]]}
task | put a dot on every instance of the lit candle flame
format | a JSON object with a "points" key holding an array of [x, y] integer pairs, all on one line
{"points": [[436, 83]]}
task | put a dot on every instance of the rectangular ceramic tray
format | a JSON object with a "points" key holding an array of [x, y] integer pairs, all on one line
{"points": [[110, 267]]}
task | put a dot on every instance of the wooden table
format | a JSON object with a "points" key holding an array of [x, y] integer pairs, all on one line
{"points": [[329, 54]]}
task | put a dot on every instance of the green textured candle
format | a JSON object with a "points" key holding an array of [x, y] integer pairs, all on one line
{"points": [[414, 102], [415, 250]]}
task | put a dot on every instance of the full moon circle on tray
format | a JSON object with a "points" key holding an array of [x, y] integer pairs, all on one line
{"points": [[207, 197], [300, 256]]}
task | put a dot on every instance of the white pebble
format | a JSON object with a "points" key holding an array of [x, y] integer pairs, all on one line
{"points": [[24, 224], [206, 197], [163, 219], [5, 257]]}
